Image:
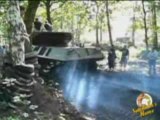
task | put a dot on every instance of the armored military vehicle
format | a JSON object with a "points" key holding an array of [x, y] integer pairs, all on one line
{"points": [[53, 51]]}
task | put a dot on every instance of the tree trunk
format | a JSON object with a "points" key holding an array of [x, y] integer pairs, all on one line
{"points": [[30, 14], [133, 27], [17, 34], [97, 24], [78, 32], [48, 6], [154, 23], [133, 32], [101, 33], [72, 25], [62, 23], [145, 25], [97, 32], [101, 29], [108, 24]]}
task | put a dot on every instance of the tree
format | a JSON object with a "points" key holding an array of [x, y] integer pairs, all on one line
{"points": [[108, 23], [17, 71], [145, 24], [17, 33], [48, 5], [154, 24], [133, 27], [30, 14], [97, 22], [102, 24]]}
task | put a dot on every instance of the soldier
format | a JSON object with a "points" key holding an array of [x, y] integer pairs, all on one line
{"points": [[37, 25], [124, 58], [48, 26], [111, 59]]}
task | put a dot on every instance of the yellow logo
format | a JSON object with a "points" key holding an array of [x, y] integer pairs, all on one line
{"points": [[145, 105]]}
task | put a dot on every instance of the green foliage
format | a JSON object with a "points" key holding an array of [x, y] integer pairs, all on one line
{"points": [[70, 14], [3, 23], [73, 16], [11, 118], [138, 24], [3, 31]]}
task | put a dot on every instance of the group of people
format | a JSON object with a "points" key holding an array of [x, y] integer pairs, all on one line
{"points": [[152, 57], [39, 26], [112, 58]]}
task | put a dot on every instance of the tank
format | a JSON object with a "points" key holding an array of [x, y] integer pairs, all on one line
{"points": [[53, 51]]}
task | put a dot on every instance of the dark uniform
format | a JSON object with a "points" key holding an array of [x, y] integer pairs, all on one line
{"points": [[111, 58], [48, 27], [37, 24]]}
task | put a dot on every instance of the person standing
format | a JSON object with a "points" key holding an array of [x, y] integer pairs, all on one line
{"points": [[111, 59], [37, 25], [124, 57], [152, 58], [48, 26]]}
